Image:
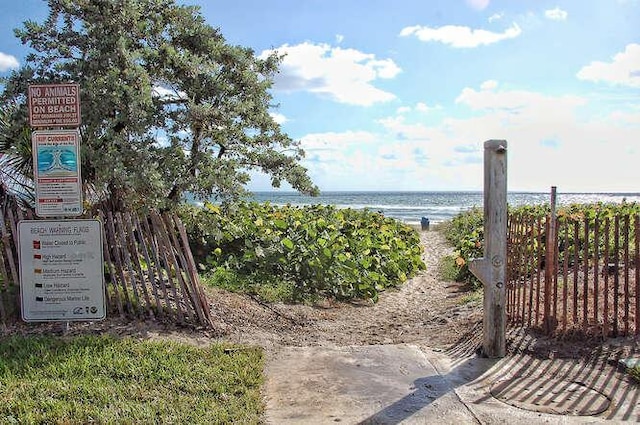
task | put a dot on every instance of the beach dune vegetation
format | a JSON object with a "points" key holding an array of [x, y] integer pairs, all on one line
{"points": [[316, 251]]}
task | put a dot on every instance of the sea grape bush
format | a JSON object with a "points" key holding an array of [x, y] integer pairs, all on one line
{"points": [[465, 232], [321, 250]]}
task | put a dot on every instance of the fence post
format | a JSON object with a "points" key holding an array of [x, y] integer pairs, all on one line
{"points": [[491, 269], [549, 322]]}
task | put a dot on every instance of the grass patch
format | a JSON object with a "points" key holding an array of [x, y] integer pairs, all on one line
{"points": [[99, 379], [472, 297], [448, 269], [635, 373], [270, 290]]}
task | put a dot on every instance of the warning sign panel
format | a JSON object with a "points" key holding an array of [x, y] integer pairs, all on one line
{"points": [[61, 270], [54, 105], [56, 169]]}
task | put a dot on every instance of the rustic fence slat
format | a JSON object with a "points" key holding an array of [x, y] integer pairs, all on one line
{"points": [[605, 309], [155, 248], [533, 267], [166, 252], [516, 269], [616, 271], [191, 269], [585, 272], [177, 260], [188, 287], [554, 258], [115, 245], [4, 287], [596, 262], [126, 257], [520, 273], [576, 268], [510, 274], [112, 273], [539, 253], [134, 256], [9, 249], [637, 270], [511, 261], [565, 272], [626, 274], [13, 222], [151, 272]]}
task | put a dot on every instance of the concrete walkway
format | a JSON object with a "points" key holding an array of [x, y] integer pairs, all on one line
{"points": [[407, 384]]}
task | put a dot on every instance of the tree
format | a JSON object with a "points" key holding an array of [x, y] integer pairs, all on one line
{"points": [[15, 160], [168, 107]]}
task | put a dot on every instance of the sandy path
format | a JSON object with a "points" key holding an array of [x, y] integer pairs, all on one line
{"points": [[425, 309]]}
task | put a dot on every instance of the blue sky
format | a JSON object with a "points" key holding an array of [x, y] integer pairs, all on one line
{"points": [[401, 95]]}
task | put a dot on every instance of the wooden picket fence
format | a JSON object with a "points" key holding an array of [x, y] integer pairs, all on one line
{"points": [[149, 269], [574, 275]]}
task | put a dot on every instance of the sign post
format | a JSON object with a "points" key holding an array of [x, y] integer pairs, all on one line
{"points": [[61, 261], [61, 271]]}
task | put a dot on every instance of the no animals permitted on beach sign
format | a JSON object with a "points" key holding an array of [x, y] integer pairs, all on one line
{"points": [[54, 105]]}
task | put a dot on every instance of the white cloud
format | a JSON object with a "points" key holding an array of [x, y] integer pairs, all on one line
{"points": [[339, 38], [552, 141], [478, 4], [623, 70], [489, 85], [424, 108], [556, 14], [278, 117], [515, 102], [167, 93], [8, 62], [459, 36], [496, 17], [344, 75], [418, 107]]}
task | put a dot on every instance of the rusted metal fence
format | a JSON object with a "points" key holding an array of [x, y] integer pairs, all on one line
{"points": [[574, 273], [149, 268]]}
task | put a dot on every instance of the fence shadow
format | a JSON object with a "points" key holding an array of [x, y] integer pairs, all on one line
{"points": [[552, 369]]}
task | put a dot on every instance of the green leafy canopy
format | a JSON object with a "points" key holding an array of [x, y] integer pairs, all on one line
{"points": [[168, 106]]}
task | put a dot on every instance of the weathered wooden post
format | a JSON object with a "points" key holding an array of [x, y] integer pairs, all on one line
{"points": [[491, 269], [550, 321]]}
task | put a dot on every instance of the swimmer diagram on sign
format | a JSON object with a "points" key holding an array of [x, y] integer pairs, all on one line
{"points": [[57, 162]]}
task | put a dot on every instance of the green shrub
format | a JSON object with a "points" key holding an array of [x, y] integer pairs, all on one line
{"points": [[319, 250], [635, 372], [466, 233]]}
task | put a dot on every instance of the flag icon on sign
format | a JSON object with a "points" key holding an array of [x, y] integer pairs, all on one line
{"points": [[36, 244], [37, 256], [37, 271]]}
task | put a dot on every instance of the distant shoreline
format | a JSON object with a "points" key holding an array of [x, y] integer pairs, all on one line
{"points": [[409, 207]]}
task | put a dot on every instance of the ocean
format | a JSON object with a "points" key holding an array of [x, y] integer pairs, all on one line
{"points": [[410, 207]]}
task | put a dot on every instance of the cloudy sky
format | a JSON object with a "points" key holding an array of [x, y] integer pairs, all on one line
{"points": [[401, 94]]}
